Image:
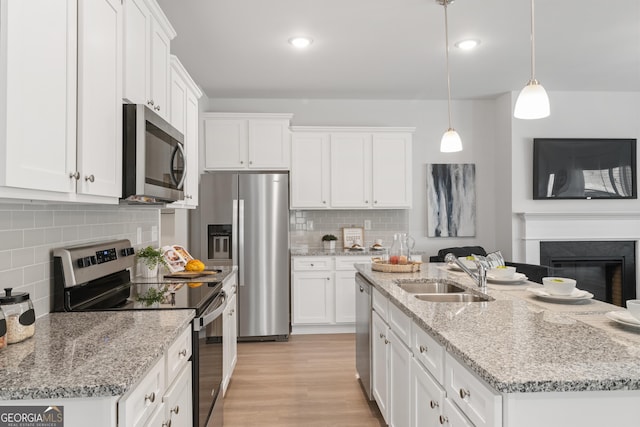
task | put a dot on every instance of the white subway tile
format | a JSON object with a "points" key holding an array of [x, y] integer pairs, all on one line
{"points": [[22, 257]]}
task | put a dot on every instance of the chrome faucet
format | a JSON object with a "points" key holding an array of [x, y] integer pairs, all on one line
{"points": [[480, 276]]}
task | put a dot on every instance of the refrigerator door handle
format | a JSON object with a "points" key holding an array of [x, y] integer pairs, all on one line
{"points": [[234, 234], [240, 243]]}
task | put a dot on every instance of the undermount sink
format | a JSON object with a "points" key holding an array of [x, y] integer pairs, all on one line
{"points": [[432, 286], [453, 297]]}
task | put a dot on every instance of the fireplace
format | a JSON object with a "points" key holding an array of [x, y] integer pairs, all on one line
{"points": [[604, 268]]}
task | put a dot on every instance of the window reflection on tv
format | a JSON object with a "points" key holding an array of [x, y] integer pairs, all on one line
{"points": [[584, 168]]}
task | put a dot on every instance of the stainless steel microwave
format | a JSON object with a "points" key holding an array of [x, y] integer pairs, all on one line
{"points": [[153, 158]]}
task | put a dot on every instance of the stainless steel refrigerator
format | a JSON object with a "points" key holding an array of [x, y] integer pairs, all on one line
{"points": [[243, 220]]}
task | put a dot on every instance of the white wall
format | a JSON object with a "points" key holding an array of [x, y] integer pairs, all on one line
{"points": [[475, 121], [573, 115]]}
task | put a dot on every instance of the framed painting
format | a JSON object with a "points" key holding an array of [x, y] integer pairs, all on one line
{"points": [[451, 200]]}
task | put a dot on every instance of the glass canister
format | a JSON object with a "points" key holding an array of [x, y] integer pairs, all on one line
{"points": [[3, 331], [398, 252], [19, 315]]}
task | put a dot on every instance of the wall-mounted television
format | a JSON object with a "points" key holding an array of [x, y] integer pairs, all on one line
{"points": [[584, 168]]}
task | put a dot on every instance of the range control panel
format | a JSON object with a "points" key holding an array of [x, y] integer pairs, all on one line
{"points": [[90, 261]]}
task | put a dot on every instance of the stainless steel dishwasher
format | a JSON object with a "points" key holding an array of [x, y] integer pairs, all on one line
{"points": [[363, 333]]}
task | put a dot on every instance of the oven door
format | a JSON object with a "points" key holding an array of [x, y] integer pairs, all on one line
{"points": [[207, 363]]}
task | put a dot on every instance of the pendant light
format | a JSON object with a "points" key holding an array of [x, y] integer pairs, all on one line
{"points": [[533, 102], [450, 142]]}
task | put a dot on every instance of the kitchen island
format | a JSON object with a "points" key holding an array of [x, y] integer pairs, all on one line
{"points": [[541, 363], [86, 361]]}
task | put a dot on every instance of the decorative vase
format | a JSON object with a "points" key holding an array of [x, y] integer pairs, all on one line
{"points": [[329, 245], [148, 272]]}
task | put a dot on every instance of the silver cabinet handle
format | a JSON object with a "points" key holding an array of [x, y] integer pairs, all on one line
{"points": [[156, 107], [366, 201], [250, 162], [311, 265], [434, 404], [241, 162], [150, 397], [183, 352], [166, 423], [423, 349], [324, 201], [75, 175], [328, 278], [89, 178], [361, 289], [443, 419], [175, 410], [386, 341], [375, 202], [381, 335], [150, 102], [464, 393]]}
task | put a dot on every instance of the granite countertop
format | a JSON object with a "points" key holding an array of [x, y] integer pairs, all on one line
{"points": [[88, 354], [341, 252], [518, 343]]}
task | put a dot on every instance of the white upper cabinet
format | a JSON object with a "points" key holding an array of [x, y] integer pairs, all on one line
{"points": [[100, 98], [183, 115], [148, 34], [310, 170], [367, 167], [239, 141], [75, 151], [350, 170], [38, 56]]}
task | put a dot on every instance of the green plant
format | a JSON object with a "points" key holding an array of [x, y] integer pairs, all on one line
{"points": [[151, 257], [152, 296], [329, 237]]}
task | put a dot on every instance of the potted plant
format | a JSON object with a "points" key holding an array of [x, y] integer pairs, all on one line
{"points": [[150, 259], [329, 242]]}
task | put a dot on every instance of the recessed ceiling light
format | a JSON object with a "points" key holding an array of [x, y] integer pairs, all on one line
{"points": [[300, 42], [467, 44]]}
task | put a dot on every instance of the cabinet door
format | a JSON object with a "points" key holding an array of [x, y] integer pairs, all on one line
{"points": [[345, 296], [453, 417], [427, 397], [159, 87], [391, 170], [379, 364], [38, 75], [191, 147], [137, 56], [177, 400], [230, 341], [350, 170], [177, 104], [399, 381], [310, 168], [100, 97], [225, 143], [312, 297], [269, 144]]}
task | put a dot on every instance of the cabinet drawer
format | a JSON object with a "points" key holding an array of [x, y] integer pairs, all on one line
{"points": [[481, 404], [178, 354], [452, 417], [346, 262], [137, 406], [312, 264], [428, 352], [380, 304], [400, 323], [177, 400]]}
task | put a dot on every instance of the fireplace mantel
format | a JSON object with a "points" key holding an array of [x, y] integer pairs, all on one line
{"points": [[563, 226]]}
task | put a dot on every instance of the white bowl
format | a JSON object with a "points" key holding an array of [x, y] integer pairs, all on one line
{"points": [[633, 306], [502, 272], [558, 285], [469, 263]]}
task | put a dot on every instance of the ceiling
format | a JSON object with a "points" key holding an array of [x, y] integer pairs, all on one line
{"points": [[395, 49]]}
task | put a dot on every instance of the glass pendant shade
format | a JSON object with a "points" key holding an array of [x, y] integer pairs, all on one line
{"points": [[532, 103], [450, 142]]}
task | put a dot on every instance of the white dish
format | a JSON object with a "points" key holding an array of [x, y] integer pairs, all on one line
{"points": [[624, 318], [576, 295], [516, 278]]}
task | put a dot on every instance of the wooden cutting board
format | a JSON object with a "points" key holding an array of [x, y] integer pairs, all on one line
{"points": [[189, 274]]}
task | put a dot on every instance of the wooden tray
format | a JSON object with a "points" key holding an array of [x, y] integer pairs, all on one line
{"points": [[190, 274], [385, 267]]}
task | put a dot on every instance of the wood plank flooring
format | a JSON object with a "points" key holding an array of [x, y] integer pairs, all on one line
{"points": [[308, 381]]}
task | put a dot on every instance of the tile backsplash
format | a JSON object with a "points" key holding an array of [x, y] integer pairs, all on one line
{"points": [[29, 232], [307, 227]]}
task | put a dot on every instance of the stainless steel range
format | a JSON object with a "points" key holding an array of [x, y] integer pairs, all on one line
{"points": [[97, 276]]}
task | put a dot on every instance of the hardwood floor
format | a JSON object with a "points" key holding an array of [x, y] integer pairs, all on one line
{"points": [[308, 381]]}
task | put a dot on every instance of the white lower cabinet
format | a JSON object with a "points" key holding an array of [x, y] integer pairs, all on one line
{"points": [[230, 340], [137, 406], [323, 294], [427, 397], [177, 401], [379, 364]]}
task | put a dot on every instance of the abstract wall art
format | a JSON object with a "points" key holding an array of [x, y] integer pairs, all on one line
{"points": [[451, 200]]}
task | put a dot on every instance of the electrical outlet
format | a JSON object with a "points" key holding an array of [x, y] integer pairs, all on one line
{"points": [[367, 224], [309, 225], [139, 236]]}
